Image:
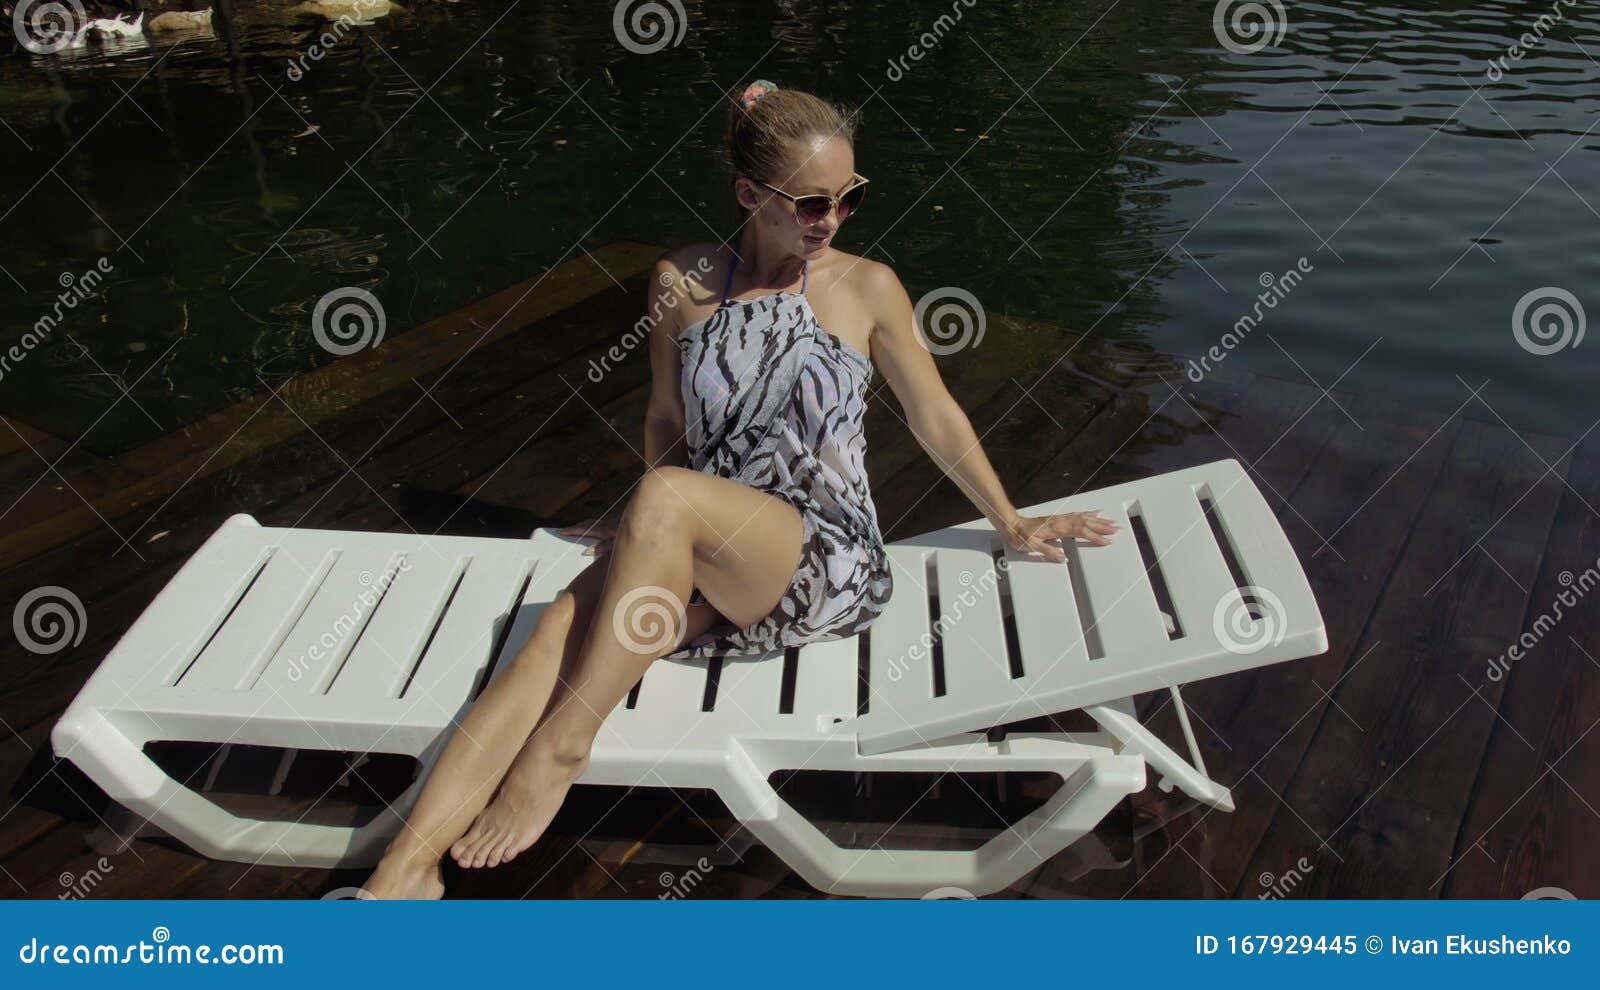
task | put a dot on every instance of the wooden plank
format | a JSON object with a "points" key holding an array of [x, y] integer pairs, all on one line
{"points": [[1530, 823], [43, 519], [1378, 799]]}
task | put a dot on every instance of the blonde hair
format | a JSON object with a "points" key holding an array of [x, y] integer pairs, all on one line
{"points": [[762, 139]]}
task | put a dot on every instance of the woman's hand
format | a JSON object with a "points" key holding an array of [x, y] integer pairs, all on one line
{"points": [[601, 530], [1035, 534]]}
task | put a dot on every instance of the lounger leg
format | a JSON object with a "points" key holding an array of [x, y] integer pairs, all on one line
{"points": [[1120, 722], [1085, 797], [133, 780]]}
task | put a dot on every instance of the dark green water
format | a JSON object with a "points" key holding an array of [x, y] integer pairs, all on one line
{"points": [[1095, 165]]}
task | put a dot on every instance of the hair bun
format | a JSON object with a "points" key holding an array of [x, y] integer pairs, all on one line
{"points": [[755, 91]]}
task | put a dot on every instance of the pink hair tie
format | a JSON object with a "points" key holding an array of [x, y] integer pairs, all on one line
{"points": [[755, 91]]}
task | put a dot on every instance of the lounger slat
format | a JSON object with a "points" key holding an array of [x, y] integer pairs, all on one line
{"points": [[331, 624], [392, 644], [1049, 631], [749, 689], [826, 677], [900, 671], [671, 689], [221, 570], [1267, 559], [973, 642], [1190, 561], [266, 614], [460, 651], [1125, 614]]}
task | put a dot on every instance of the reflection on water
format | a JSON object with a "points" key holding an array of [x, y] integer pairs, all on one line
{"points": [[1095, 165]]}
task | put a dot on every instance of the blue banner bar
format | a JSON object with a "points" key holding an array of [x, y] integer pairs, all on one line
{"points": [[799, 944]]}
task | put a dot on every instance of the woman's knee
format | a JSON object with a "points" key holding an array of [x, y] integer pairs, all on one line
{"points": [[659, 504]]}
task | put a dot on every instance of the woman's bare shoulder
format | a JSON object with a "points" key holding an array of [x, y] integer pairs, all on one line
{"points": [[869, 284], [684, 279], [694, 262]]}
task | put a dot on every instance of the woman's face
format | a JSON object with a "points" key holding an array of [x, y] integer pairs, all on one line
{"points": [[824, 166]]}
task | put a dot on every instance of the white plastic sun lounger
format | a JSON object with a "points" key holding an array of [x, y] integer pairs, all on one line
{"points": [[377, 642]]}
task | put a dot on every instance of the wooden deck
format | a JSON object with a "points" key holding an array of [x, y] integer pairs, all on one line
{"points": [[1392, 766]]}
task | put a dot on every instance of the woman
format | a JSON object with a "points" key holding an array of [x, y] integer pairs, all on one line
{"points": [[756, 501]]}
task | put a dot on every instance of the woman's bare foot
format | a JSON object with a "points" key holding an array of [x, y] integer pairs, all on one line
{"points": [[406, 877], [527, 801]]}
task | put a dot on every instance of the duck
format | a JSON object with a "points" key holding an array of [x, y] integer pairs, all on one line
{"points": [[355, 10], [180, 20], [108, 30]]}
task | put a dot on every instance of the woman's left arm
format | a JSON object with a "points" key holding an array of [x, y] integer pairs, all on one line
{"points": [[942, 428]]}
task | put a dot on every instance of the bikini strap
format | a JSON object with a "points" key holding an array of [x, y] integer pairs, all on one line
{"points": [[805, 273]]}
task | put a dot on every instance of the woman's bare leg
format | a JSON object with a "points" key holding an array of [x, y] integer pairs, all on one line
{"points": [[682, 529]]}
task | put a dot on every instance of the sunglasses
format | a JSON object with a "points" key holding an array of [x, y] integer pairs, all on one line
{"points": [[815, 208]]}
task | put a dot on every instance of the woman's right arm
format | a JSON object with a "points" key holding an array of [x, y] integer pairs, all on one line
{"points": [[665, 444]]}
